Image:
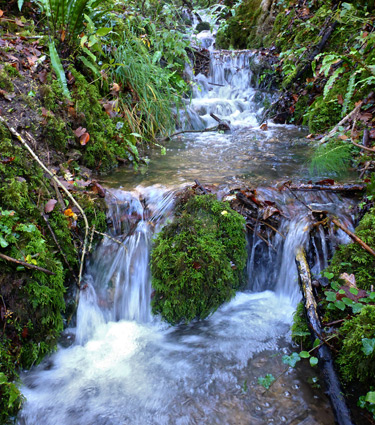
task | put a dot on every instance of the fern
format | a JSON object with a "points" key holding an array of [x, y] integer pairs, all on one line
{"points": [[331, 80], [58, 68], [349, 93], [332, 158]]}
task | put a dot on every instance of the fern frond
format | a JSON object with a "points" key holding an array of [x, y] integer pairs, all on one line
{"points": [[331, 158], [331, 81], [349, 93]]}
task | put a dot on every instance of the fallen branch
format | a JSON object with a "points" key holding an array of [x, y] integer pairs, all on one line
{"points": [[261, 237], [33, 154], [110, 237], [364, 147], [190, 131], [334, 390], [23, 263], [353, 236], [343, 121], [200, 187]]}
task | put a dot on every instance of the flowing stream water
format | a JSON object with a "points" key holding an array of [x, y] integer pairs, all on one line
{"points": [[120, 364]]}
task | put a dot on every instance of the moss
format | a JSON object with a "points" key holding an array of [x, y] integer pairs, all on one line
{"points": [[6, 81], [203, 26], [198, 260], [300, 330], [353, 362], [352, 258], [57, 132]]}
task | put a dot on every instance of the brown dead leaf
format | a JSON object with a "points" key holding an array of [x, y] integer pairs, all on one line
{"points": [[42, 75], [50, 205], [340, 99], [115, 89], [295, 97], [372, 133], [84, 139], [269, 211], [71, 78], [7, 160], [343, 137], [1, 13], [264, 127], [349, 279], [6, 95], [98, 189], [19, 22], [365, 117], [79, 131]]}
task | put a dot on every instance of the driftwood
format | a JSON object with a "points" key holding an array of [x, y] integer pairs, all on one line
{"points": [[328, 188], [334, 390], [27, 265], [223, 125], [353, 236], [201, 187]]}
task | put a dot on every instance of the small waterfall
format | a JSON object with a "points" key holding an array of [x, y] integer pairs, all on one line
{"points": [[117, 284]]}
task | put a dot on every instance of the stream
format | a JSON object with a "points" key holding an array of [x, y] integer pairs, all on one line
{"points": [[120, 365]]}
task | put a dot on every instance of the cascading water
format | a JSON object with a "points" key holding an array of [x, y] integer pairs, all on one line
{"points": [[126, 366]]}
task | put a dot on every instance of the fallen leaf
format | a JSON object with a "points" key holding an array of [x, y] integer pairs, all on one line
{"points": [[343, 137], [79, 131], [340, 99], [50, 205], [7, 160], [196, 265], [349, 279], [264, 127], [1, 13], [372, 133], [269, 211], [115, 89], [84, 139], [365, 117], [19, 22], [24, 332], [69, 213], [42, 75], [71, 78], [97, 188], [6, 95]]}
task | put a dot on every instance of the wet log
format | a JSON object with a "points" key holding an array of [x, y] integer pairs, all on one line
{"points": [[27, 265], [200, 187], [333, 387], [329, 188], [223, 125], [354, 237]]}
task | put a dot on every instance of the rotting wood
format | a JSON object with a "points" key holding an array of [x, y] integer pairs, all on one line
{"points": [[27, 265], [334, 390], [45, 168], [353, 236]]}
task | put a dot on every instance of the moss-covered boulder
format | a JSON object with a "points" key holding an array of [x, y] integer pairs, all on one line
{"points": [[198, 260]]}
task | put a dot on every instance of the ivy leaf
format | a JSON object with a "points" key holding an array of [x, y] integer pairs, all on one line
{"points": [[304, 354], [291, 360], [357, 307], [266, 381], [368, 346], [313, 361]]}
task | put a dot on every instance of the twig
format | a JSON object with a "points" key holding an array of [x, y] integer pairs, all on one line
{"points": [[299, 200], [273, 228], [33, 154], [190, 131], [111, 238], [23, 263], [363, 147], [200, 186], [91, 238], [336, 322], [215, 84], [261, 237], [353, 236], [343, 121]]}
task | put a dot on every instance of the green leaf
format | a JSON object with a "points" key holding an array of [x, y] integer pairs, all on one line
{"points": [[266, 381], [370, 397], [368, 346], [103, 31], [58, 68], [136, 135], [357, 307], [3, 242], [348, 301], [20, 4], [291, 360], [157, 56], [328, 275], [13, 394], [340, 305], [89, 65], [304, 354], [316, 343], [354, 291], [313, 361], [330, 296]]}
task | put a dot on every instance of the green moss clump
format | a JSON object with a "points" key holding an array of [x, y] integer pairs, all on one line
{"points": [[352, 258], [203, 26], [353, 362], [198, 260], [6, 81], [300, 331]]}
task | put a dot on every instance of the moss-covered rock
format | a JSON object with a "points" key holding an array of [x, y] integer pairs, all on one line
{"points": [[198, 260]]}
